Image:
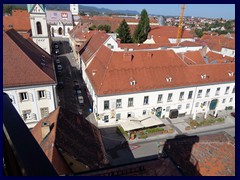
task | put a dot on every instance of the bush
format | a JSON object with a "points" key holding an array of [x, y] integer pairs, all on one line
{"points": [[122, 131], [144, 136], [153, 130], [220, 120]]}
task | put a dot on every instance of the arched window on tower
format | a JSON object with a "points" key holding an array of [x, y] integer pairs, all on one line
{"points": [[39, 28], [60, 31]]}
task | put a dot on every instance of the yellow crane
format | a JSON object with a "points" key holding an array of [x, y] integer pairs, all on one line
{"points": [[179, 34]]}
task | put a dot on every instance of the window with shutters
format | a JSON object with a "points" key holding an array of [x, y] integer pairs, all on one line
{"points": [[190, 94], [42, 94], [199, 93], [207, 93], [23, 96], [217, 92], [44, 112], [169, 99], [227, 90], [130, 102], [160, 98], [106, 105], [145, 100], [181, 96]]}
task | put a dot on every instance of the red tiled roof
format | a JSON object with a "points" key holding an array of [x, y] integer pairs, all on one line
{"points": [[216, 43], [94, 43], [20, 20], [207, 155], [149, 69], [218, 57], [163, 33], [193, 58], [72, 135], [189, 44], [22, 62], [145, 46]]}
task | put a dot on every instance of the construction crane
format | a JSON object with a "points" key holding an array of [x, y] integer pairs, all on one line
{"points": [[179, 34]]}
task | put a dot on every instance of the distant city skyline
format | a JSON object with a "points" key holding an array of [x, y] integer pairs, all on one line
{"points": [[225, 11]]}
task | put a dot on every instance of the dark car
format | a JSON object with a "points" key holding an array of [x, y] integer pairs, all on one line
{"points": [[233, 114], [60, 85], [76, 85]]}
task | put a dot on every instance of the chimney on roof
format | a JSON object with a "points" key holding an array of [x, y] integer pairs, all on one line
{"points": [[128, 57], [149, 54], [45, 128]]}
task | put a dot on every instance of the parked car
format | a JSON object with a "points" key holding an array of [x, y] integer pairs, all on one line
{"points": [[80, 100], [60, 85], [76, 85], [56, 51], [79, 93], [57, 60], [55, 45], [59, 67]]}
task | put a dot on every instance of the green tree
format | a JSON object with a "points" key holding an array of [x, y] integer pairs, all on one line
{"points": [[199, 32], [105, 27], [141, 32], [93, 27], [124, 32]]}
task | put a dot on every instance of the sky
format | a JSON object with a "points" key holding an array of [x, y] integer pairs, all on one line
{"points": [[225, 11]]}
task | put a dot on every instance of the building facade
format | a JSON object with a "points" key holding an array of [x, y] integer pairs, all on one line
{"points": [[40, 30], [28, 78]]}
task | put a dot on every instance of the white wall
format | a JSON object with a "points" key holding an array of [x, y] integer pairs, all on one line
{"points": [[138, 107], [33, 103], [228, 52], [185, 49], [174, 40]]}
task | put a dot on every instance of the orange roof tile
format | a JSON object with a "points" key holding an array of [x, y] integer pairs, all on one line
{"points": [[218, 57], [20, 21], [149, 69], [207, 155], [163, 33], [65, 126], [22, 62], [193, 58]]}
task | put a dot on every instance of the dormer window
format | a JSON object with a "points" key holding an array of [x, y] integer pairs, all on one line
{"points": [[203, 76], [169, 79], [231, 74], [133, 83]]}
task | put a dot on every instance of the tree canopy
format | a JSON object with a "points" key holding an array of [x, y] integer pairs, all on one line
{"points": [[141, 32], [104, 27], [124, 32]]}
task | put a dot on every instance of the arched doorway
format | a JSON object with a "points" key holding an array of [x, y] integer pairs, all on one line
{"points": [[213, 104], [159, 112], [60, 31]]}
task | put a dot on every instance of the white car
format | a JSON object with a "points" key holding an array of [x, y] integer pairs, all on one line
{"points": [[80, 100], [59, 67]]}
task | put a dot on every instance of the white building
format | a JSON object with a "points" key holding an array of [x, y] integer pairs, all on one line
{"points": [[39, 27], [126, 84], [28, 78], [60, 23], [74, 9]]}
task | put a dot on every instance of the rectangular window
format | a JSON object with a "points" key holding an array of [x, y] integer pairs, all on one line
{"points": [[44, 112], [197, 104], [223, 101], [207, 93], [144, 112], [118, 116], [130, 102], [41, 94], [233, 91], [26, 114], [179, 107], [167, 108], [190, 94], [181, 96], [169, 97], [119, 103], [217, 92], [106, 118], [23, 96], [145, 101], [199, 93], [188, 106], [230, 99], [106, 105], [160, 98], [227, 90]]}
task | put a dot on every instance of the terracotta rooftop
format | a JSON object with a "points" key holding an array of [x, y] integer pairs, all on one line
{"points": [[70, 136], [23, 64], [216, 43], [207, 155], [192, 57], [113, 71], [218, 58], [20, 21], [189, 44], [145, 46], [161, 34], [93, 44]]}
